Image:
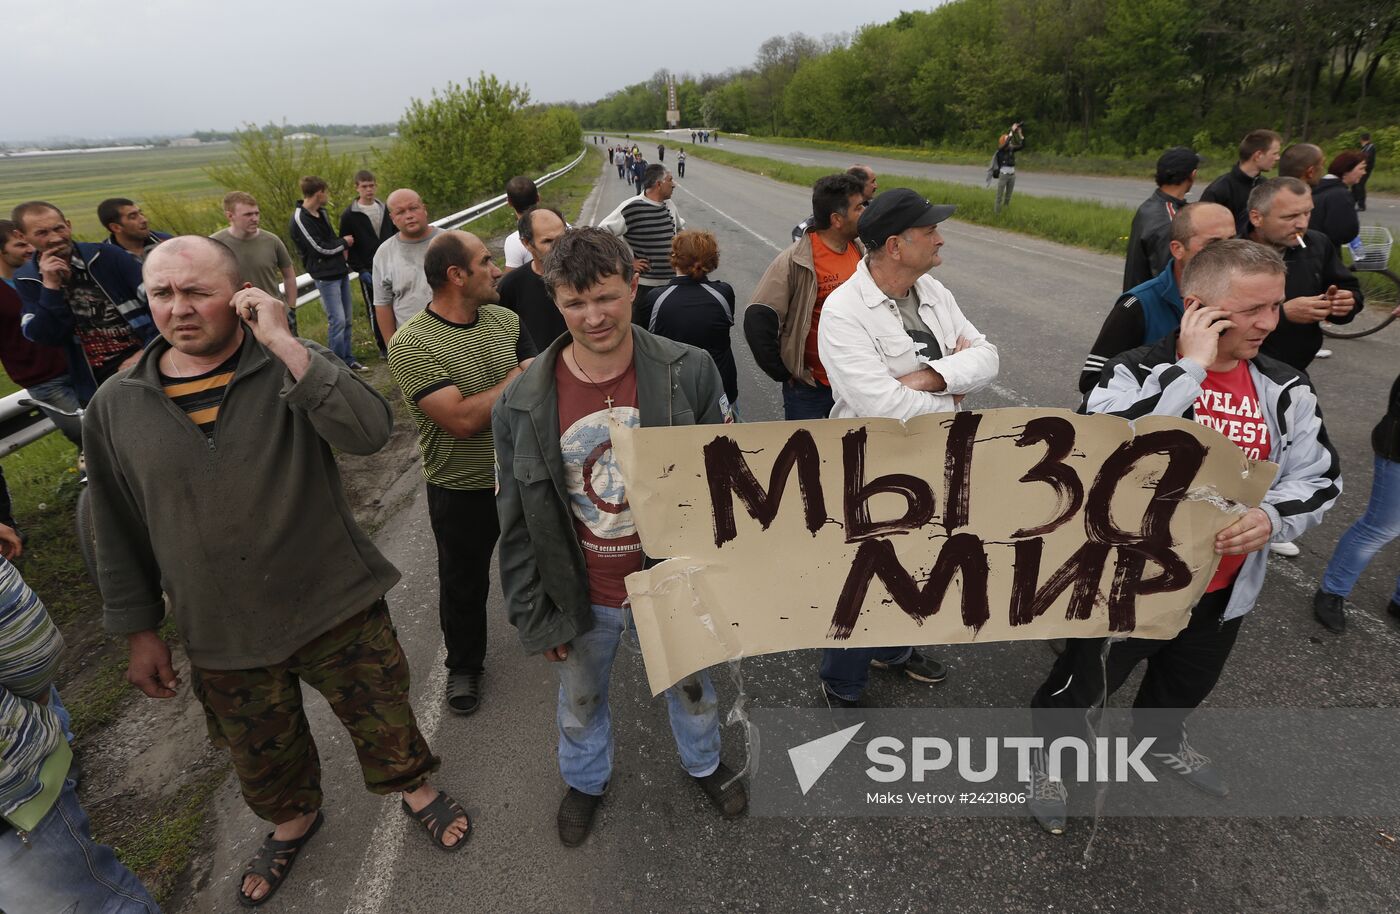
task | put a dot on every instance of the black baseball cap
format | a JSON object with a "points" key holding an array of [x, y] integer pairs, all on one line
{"points": [[1176, 164], [896, 210]]}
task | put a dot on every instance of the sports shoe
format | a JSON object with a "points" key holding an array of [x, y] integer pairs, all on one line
{"points": [[1287, 550], [1046, 799], [1196, 769], [1328, 609], [576, 812], [918, 668], [725, 791], [1323, 354]]}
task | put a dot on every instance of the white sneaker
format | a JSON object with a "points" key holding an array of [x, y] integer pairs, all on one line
{"points": [[1287, 550], [1323, 354]]}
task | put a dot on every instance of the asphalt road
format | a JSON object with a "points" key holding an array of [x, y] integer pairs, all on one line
{"points": [[1382, 209], [658, 846]]}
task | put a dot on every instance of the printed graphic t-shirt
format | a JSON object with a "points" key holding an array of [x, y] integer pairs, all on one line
{"points": [[832, 270], [1229, 404], [597, 497], [105, 337]]}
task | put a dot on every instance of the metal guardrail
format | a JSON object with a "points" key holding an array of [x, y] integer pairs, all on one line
{"points": [[306, 287], [21, 425]]}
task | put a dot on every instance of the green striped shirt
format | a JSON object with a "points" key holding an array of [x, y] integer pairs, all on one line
{"points": [[429, 353]]}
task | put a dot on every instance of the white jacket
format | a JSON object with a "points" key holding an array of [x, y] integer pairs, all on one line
{"points": [[865, 350]]}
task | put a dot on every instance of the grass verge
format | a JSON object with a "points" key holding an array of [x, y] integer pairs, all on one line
{"points": [[1081, 223], [158, 844]]}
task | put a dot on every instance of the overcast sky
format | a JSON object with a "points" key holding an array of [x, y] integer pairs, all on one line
{"points": [[99, 68]]}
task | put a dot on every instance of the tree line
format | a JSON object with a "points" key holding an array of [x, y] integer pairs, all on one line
{"points": [[1088, 76]]}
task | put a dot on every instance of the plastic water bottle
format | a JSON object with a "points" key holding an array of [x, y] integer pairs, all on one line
{"points": [[1358, 251]]}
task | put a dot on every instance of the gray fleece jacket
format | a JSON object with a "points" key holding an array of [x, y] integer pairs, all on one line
{"points": [[248, 536]]}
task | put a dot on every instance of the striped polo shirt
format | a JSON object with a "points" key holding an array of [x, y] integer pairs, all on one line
{"points": [[429, 353], [202, 395], [650, 228]]}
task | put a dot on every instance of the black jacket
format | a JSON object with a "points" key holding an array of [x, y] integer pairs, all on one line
{"points": [[1232, 190], [1150, 239], [1334, 212], [1385, 438], [700, 313], [322, 251], [1311, 270], [1006, 152], [357, 225]]}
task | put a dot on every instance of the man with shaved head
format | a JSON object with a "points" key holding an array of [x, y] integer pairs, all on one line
{"points": [[451, 361], [86, 298], [400, 291], [224, 412]]}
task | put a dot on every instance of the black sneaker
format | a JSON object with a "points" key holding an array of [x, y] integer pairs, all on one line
{"points": [[576, 812], [918, 668], [358, 368], [1047, 800], [1196, 769], [1329, 610], [725, 791]]}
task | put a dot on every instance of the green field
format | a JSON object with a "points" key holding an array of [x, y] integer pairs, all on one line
{"points": [[77, 182]]}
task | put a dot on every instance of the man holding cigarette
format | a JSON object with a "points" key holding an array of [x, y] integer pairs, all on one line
{"points": [[1318, 287]]}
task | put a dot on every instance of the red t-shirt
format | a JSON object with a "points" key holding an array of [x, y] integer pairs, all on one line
{"points": [[832, 269], [597, 495], [1229, 404]]}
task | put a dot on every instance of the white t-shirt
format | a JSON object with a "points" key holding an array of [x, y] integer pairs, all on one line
{"points": [[398, 275], [517, 255]]}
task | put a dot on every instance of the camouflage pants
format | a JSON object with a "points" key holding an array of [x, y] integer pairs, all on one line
{"points": [[257, 715]]}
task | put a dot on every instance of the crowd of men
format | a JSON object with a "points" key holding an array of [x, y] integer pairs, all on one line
{"points": [[184, 353]]}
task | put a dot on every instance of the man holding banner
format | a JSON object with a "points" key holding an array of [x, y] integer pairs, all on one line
{"points": [[895, 344], [568, 538], [1210, 372]]}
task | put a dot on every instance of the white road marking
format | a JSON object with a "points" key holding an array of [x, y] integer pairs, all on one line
{"points": [[370, 893], [732, 219]]}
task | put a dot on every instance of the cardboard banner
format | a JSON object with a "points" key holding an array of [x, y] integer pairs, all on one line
{"points": [[1003, 524]]}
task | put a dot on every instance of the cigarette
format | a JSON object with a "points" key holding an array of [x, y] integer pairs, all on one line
{"points": [[1301, 242]]}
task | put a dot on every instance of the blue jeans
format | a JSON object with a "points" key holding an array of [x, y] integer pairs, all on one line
{"points": [[65, 720], [59, 392], [585, 719], [806, 401], [335, 297], [846, 670], [63, 869], [1369, 535]]}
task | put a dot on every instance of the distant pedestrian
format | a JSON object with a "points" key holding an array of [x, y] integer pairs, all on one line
{"points": [[660, 152], [567, 546], [400, 288], [1373, 531], [680, 164], [639, 170], [268, 599], [1259, 152], [623, 163], [521, 194], [86, 298], [612, 150], [1358, 190], [1004, 164], [451, 363], [127, 226], [325, 255], [47, 853], [694, 309], [262, 257], [366, 220], [1149, 239]]}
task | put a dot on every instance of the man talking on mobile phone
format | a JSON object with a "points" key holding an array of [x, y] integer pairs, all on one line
{"points": [[1210, 371]]}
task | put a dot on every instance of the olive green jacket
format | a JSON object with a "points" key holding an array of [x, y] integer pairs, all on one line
{"points": [[543, 573]]}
